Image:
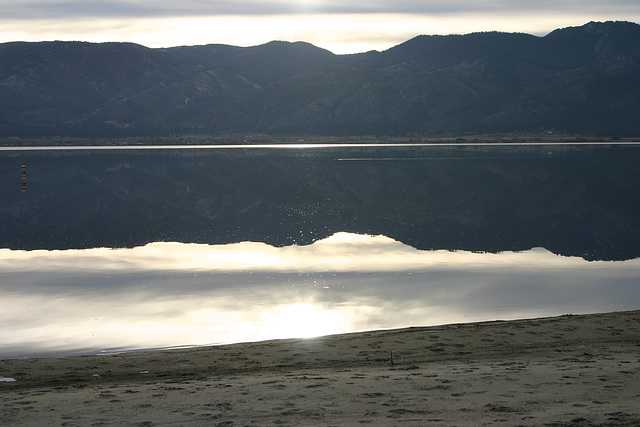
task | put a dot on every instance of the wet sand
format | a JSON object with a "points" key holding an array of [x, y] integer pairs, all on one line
{"points": [[561, 371]]}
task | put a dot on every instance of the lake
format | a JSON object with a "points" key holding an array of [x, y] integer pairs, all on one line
{"points": [[117, 249]]}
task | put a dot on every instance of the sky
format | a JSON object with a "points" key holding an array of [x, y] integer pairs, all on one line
{"points": [[341, 26]]}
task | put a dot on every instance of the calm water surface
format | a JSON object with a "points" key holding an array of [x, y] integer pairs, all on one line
{"points": [[116, 250]]}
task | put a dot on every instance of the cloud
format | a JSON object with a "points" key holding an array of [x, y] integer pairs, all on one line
{"points": [[43, 9], [340, 252]]}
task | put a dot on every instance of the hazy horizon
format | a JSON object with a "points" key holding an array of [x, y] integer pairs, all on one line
{"points": [[341, 27]]}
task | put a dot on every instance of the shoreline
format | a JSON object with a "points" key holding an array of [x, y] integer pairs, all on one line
{"points": [[249, 141], [568, 370], [320, 145]]}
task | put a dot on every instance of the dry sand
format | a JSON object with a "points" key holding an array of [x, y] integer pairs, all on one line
{"points": [[562, 371]]}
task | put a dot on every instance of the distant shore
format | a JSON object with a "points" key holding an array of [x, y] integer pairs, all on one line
{"points": [[574, 370], [288, 139]]}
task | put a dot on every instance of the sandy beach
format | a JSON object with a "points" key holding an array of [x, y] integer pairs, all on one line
{"points": [[574, 370]]}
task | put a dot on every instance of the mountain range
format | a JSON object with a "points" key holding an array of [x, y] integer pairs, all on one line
{"points": [[580, 80]]}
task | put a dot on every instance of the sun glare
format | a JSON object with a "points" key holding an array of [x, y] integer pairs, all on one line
{"points": [[302, 321]]}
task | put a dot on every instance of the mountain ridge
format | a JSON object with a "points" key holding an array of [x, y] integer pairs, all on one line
{"points": [[582, 80]]}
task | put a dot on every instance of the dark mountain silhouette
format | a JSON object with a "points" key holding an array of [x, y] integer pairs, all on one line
{"points": [[262, 64], [579, 80]]}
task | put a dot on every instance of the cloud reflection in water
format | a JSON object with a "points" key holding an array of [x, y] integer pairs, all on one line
{"points": [[171, 294]]}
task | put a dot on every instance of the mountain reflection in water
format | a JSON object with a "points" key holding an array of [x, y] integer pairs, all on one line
{"points": [[115, 250], [570, 200], [173, 294]]}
